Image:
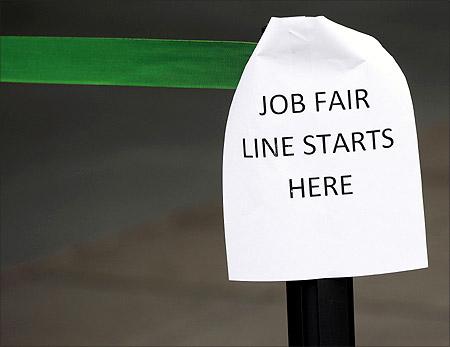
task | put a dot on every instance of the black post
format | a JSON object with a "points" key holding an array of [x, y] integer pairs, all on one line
{"points": [[320, 312]]}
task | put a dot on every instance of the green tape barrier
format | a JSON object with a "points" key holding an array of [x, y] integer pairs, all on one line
{"points": [[123, 61]]}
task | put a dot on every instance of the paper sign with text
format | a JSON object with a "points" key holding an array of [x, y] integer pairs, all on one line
{"points": [[321, 173]]}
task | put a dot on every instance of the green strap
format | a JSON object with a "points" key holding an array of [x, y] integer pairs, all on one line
{"points": [[124, 62]]}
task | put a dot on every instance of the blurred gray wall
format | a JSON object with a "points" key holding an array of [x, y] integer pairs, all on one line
{"points": [[78, 161]]}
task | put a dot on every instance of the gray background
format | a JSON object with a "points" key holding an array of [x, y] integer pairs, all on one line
{"points": [[111, 229]]}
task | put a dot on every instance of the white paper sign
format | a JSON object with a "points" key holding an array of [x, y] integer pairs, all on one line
{"points": [[321, 174]]}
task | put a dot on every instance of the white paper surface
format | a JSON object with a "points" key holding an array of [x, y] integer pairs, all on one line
{"points": [[377, 225]]}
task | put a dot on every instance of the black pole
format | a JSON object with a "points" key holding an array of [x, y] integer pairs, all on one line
{"points": [[320, 312]]}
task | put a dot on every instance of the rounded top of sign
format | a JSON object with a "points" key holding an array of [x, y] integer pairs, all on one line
{"points": [[318, 39]]}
